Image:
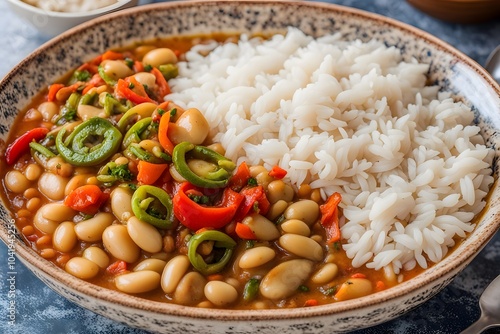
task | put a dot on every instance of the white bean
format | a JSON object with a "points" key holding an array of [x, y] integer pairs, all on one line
{"points": [[284, 279], [121, 203], [86, 111], [16, 182], [64, 237], [325, 274], [263, 228], [255, 257], [96, 255], [82, 268], [301, 246], [160, 56], [278, 190], [151, 264], [190, 289], [173, 273], [91, 230], [276, 209], [33, 172], [146, 79], [77, 181], [296, 226], [138, 281], [117, 241], [191, 126], [306, 210], [116, 69], [49, 216], [354, 288], [220, 293], [48, 110], [145, 235], [52, 186]]}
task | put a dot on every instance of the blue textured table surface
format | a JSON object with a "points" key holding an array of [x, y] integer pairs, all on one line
{"points": [[40, 310]]}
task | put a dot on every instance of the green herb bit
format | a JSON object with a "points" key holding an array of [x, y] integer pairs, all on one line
{"points": [[303, 288], [200, 199], [148, 68], [173, 112], [252, 182], [129, 62], [250, 244]]}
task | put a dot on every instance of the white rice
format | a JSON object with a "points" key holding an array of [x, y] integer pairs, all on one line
{"points": [[353, 118]]}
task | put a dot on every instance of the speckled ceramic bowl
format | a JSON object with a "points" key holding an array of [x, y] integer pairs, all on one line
{"points": [[450, 69]]}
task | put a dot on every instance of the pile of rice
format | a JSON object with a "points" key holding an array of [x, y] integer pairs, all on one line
{"points": [[353, 118]]}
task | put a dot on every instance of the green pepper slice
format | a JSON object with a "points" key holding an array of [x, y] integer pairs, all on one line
{"points": [[221, 239], [134, 134], [142, 154], [92, 142], [153, 205], [39, 148], [251, 289], [216, 179], [107, 79]]}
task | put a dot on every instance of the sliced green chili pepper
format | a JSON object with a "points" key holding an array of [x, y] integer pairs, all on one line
{"points": [[79, 76], [90, 143], [142, 154], [153, 205], [251, 289], [135, 133], [107, 79], [88, 98], [216, 179], [39, 148], [112, 172], [222, 240], [142, 110], [68, 112], [111, 104]]}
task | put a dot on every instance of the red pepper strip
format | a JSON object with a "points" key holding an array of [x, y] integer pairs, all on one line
{"points": [[149, 173], [117, 268], [21, 144], [111, 55], [136, 96], [358, 275], [96, 61], [330, 217], [161, 82], [244, 232], [253, 195], [95, 81], [138, 66], [87, 199], [88, 67], [240, 177], [165, 142], [277, 172], [53, 89], [379, 286], [195, 216], [311, 302]]}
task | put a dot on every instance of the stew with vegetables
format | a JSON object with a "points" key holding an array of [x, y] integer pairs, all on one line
{"points": [[104, 181]]}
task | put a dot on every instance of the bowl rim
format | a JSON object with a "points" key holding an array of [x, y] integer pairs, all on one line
{"points": [[443, 268], [69, 15]]}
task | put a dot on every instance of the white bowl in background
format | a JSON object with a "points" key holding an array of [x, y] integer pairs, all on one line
{"points": [[51, 23]]}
